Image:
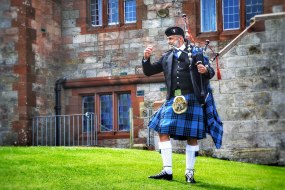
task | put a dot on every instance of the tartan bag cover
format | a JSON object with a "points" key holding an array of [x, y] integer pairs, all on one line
{"points": [[214, 123]]}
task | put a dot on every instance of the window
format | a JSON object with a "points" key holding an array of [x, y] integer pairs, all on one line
{"points": [[222, 16], [231, 15], [107, 105], [106, 113], [208, 16], [130, 11], [111, 119], [113, 10], [253, 7], [88, 106], [114, 110], [124, 105], [96, 12]]}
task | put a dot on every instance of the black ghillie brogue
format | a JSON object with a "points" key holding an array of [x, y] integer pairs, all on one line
{"points": [[189, 176], [162, 175]]}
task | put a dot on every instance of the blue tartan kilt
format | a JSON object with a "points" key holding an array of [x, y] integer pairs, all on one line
{"points": [[180, 126]]}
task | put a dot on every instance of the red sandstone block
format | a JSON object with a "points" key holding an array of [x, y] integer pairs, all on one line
{"points": [[80, 4], [27, 78], [22, 69], [16, 2], [36, 4], [85, 54], [31, 13], [72, 109], [15, 87], [32, 34], [22, 111], [67, 4], [26, 98], [31, 99], [81, 21]]}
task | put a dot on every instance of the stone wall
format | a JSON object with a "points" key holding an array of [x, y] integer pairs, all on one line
{"points": [[251, 96], [49, 63], [30, 62], [8, 58]]}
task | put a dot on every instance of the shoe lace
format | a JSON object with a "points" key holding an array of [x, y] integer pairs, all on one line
{"points": [[190, 173], [161, 173]]}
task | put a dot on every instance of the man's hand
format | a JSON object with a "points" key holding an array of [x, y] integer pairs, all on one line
{"points": [[202, 69], [147, 52]]}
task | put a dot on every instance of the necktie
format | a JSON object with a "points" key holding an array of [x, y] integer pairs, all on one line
{"points": [[175, 53]]}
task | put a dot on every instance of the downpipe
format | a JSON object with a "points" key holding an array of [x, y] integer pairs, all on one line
{"points": [[57, 89]]}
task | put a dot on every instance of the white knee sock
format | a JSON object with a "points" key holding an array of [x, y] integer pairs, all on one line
{"points": [[166, 155], [190, 156]]}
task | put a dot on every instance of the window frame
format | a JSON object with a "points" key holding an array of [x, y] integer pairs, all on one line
{"points": [[96, 91], [223, 14], [122, 25], [76, 88], [115, 102], [220, 25]]}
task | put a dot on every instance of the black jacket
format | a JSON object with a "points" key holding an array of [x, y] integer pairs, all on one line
{"points": [[164, 64]]}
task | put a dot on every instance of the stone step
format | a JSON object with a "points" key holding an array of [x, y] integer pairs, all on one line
{"points": [[140, 146]]}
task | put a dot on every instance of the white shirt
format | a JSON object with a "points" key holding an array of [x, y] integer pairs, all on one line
{"points": [[181, 48]]}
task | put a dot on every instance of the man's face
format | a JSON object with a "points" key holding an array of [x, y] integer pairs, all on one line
{"points": [[175, 40]]}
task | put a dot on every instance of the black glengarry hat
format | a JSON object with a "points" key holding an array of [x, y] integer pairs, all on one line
{"points": [[174, 30]]}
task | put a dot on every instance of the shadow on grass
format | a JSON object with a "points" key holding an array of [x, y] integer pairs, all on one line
{"points": [[204, 185]]}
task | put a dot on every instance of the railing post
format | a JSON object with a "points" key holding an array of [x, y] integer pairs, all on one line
{"points": [[33, 131], [149, 114], [96, 130], [131, 128], [57, 127], [87, 114]]}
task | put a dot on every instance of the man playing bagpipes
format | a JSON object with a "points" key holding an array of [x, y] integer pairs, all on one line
{"points": [[189, 112]]}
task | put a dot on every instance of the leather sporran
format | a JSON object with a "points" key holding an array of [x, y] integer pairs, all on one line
{"points": [[179, 105]]}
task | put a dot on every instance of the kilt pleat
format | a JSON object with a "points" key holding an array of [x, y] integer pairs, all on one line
{"points": [[180, 126]]}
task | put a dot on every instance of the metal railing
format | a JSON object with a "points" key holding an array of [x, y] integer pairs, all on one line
{"points": [[147, 115], [65, 130], [77, 129]]}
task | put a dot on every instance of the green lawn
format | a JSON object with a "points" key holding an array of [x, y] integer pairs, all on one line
{"points": [[106, 168]]}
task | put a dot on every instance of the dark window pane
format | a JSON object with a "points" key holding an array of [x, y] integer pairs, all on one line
{"points": [[231, 14], [88, 107], [96, 12], [124, 104], [106, 112], [113, 12], [253, 7], [130, 11]]}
